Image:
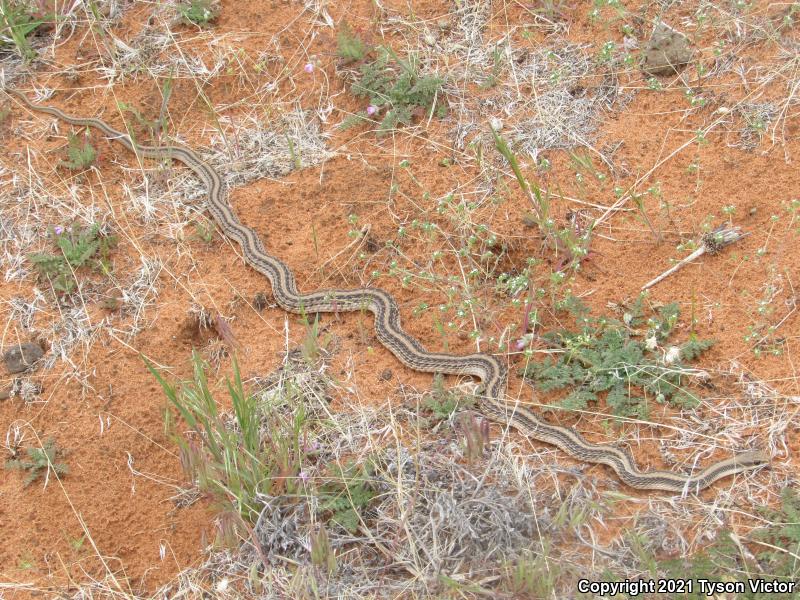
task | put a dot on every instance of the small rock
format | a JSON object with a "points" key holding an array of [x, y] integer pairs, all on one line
{"points": [[666, 52], [386, 375], [530, 220], [23, 356]]}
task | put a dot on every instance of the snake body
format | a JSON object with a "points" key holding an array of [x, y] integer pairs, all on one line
{"points": [[406, 348]]}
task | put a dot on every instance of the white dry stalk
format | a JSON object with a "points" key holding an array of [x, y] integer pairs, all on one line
{"points": [[166, 200], [710, 243], [252, 147], [141, 293], [74, 329], [23, 311], [15, 435]]}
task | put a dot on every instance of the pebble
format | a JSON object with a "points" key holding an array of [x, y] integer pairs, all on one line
{"points": [[667, 51], [22, 356]]}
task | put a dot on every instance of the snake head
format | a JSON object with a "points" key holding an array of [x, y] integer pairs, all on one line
{"points": [[751, 459]]}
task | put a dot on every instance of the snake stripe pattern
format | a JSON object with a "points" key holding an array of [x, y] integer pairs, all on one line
{"points": [[406, 348]]}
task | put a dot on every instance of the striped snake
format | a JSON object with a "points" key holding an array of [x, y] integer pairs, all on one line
{"points": [[406, 348]]}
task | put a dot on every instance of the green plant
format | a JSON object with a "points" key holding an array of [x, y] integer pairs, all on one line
{"points": [[27, 562], [395, 86], [572, 246], [199, 12], [443, 402], [76, 543], [153, 126], [345, 494], [762, 333], [312, 345], [297, 159], [532, 575], [258, 452], [349, 46], [204, 231], [779, 543], [605, 355], [17, 22], [638, 200], [79, 247], [497, 68], [40, 461], [79, 155]]}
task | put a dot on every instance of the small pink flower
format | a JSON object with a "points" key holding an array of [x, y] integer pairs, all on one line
{"points": [[309, 68], [58, 229], [372, 109], [303, 476]]}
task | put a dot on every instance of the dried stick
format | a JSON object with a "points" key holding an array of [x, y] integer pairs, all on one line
{"points": [[710, 243]]}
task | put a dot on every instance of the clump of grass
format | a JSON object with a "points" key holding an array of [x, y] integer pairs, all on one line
{"points": [[17, 22], [156, 128], [313, 345], [261, 459], [40, 461], [532, 575], [79, 247], [619, 358], [199, 12], [80, 155], [572, 246], [395, 87], [498, 64], [233, 459]]}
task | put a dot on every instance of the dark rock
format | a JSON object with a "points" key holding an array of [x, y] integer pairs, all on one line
{"points": [[667, 51], [22, 357]]}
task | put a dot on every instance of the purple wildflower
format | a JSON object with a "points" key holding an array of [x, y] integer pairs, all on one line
{"points": [[309, 68], [58, 229], [372, 109]]}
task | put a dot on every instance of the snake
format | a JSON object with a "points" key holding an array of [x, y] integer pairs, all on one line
{"points": [[407, 349]]}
